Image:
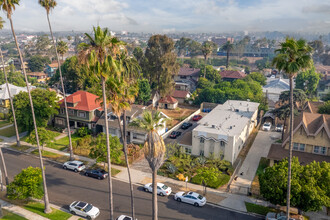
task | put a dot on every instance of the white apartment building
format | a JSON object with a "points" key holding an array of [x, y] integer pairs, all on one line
{"points": [[224, 130]]}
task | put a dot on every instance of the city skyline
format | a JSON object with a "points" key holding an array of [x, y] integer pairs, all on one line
{"points": [[176, 16]]}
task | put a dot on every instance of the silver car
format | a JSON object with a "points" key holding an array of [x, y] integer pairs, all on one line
{"points": [[74, 165], [84, 209], [191, 198]]}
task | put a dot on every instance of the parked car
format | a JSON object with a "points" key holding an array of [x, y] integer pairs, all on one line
{"points": [[266, 126], [74, 165], [84, 209], [197, 117], [279, 216], [175, 134], [186, 125], [279, 128], [191, 198], [162, 189], [124, 217], [98, 173]]}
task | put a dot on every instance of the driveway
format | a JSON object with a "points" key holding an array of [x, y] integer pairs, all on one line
{"points": [[259, 148]]}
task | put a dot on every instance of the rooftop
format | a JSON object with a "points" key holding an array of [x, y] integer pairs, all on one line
{"points": [[86, 101], [168, 100], [180, 94], [14, 90], [281, 84], [232, 74], [36, 74], [186, 71], [227, 119]]}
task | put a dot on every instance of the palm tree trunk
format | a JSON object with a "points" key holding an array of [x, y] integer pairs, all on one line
{"points": [[4, 167], [123, 137], [11, 101], [154, 195], [227, 63], [46, 200], [108, 147], [63, 90], [205, 68], [290, 150]]}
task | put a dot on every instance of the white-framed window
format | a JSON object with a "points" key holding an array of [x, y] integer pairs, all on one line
{"points": [[320, 150], [59, 121], [71, 112], [82, 114], [211, 147], [222, 143], [201, 140], [201, 153], [188, 150], [299, 146]]}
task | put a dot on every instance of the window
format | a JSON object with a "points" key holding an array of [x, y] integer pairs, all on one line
{"points": [[62, 111], [211, 147], [82, 114], [188, 150], [320, 150], [222, 143], [298, 146], [202, 140], [71, 112], [201, 153]]}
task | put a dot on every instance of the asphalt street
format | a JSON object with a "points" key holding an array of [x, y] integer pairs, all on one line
{"points": [[66, 186]]}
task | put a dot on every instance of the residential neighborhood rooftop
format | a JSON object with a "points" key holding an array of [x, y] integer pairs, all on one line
{"points": [[168, 100], [14, 90], [232, 74], [85, 101], [187, 71]]}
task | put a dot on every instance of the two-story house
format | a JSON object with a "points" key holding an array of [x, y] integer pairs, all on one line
{"points": [[231, 75], [311, 139], [84, 110], [187, 78], [134, 134], [51, 68], [4, 96]]}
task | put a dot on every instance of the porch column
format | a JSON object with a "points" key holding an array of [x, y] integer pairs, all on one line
{"points": [[75, 124]]}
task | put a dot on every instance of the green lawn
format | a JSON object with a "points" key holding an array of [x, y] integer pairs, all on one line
{"points": [[38, 208], [261, 210], [9, 132], [11, 216], [62, 143], [1, 140], [52, 133], [4, 123], [20, 148], [53, 156]]}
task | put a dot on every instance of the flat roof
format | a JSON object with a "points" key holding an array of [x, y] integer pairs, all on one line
{"points": [[228, 119]]}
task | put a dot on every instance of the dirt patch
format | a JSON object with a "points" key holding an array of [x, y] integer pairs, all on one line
{"points": [[177, 115]]}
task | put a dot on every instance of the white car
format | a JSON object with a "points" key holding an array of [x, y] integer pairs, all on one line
{"points": [[84, 209], [124, 217], [162, 189], [191, 198], [266, 126], [276, 216], [74, 165]]}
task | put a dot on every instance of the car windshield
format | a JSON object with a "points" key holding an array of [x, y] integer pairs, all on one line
{"points": [[165, 187], [102, 171], [266, 125], [200, 197], [88, 208], [184, 194]]}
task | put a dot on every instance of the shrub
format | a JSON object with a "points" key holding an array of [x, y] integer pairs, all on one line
{"points": [[83, 131]]}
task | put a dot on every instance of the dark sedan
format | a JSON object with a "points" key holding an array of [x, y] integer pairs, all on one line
{"points": [[98, 173], [175, 134], [186, 125]]}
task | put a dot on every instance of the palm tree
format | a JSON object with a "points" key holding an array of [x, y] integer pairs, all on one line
{"points": [[8, 6], [49, 5], [292, 57], [207, 49], [10, 98], [227, 47], [154, 149], [96, 54], [62, 48]]}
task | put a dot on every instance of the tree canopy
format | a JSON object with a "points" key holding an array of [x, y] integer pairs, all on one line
{"points": [[37, 63], [310, 184], [144, 94], [258, 77], [308, 81], [211, 74], [325, 109], [45, 104]]}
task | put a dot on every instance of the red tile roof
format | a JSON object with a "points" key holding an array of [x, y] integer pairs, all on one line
{"points": [[86, 101], [232, 74], [168, 100], [36, 74], [180, 94], [186, 71]]}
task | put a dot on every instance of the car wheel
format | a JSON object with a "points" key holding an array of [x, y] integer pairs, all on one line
{"points": [[73, 213], [64, 167], [161, 194], [146, 189], [86, 174], [89, 218], [178, 199], [196, 204], [75, 170], [98, 178]]}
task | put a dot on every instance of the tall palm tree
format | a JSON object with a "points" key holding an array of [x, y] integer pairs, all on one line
{"points": [[8, 6], [227, 47], [207, 49], [292, 57], [154, 149], [49, 5], [96, 54], [9, 94], [62, 48]]}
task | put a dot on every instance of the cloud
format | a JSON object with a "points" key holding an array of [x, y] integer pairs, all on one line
{"points": [[317, 9]]}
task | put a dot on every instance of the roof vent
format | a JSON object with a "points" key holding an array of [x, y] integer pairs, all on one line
{"points": [[213, 126], [206, 124], [236, 110], [231, 127]]}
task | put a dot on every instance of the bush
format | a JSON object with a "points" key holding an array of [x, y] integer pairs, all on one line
{"points": [[83, 131], [2, 116]]}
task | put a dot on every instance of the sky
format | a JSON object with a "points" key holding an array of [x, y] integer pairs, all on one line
{"points": [[163, 16]]}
